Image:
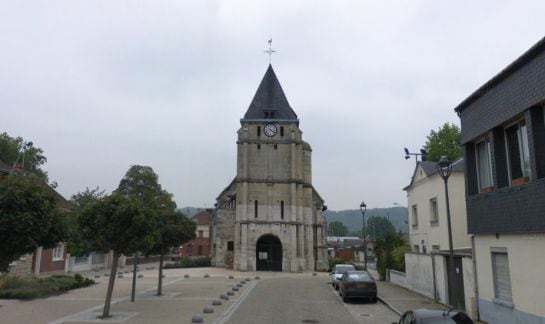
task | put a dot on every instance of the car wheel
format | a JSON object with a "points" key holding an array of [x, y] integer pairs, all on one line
{"points": [[345, 299], [336, 287], [374, 300]]}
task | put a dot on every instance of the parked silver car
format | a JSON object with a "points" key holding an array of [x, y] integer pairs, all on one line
{"points": [[337, 273]]}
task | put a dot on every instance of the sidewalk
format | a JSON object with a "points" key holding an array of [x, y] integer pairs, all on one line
{"points": [[400, 299]]}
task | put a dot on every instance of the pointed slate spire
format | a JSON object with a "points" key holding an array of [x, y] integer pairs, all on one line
{"points": [[270, 101]]}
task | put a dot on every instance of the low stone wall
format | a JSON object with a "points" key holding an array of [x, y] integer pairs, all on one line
{"points": [[398, 278]]}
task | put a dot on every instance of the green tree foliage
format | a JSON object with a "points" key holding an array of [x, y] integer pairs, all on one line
{"points": [[445, 141], [11, 149], [77, 246], [378, 226], [142, 183], [390, 253], [121, 224], [174, 229], [29, 217], [337, 228]]}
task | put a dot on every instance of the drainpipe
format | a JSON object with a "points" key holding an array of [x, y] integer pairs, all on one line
{"points": [[475, 281]]}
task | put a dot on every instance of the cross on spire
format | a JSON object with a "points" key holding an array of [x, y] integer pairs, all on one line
{"points": [[270, 51]]}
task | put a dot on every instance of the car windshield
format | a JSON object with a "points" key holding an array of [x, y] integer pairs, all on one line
{"points": [[344, 268]]}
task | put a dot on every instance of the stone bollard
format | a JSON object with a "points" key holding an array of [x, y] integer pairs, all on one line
{"points": [[186, 276], [208, 309], [197, 319], [234, 289], [248, 279], [207, 275], [239, 285], [231, 293], [314, 274], [224, 297], [140, 276], [257, 277], [216, 302], [231, 277]]}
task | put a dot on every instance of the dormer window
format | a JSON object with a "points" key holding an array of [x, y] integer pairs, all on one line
{"points": [[269, 114]]}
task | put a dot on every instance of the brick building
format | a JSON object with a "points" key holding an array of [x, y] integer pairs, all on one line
{"points": [[200, 246]]}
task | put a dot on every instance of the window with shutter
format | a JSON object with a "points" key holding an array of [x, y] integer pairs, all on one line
{"points": [[502, 278]]}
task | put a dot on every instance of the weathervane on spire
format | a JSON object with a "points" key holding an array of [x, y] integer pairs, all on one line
{"points": [[270, 51]]}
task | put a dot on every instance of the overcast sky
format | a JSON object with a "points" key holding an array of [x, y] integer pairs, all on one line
{"points": [[102, 85]]}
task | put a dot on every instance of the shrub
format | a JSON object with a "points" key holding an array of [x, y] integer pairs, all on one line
{"points": [[187, 262], [31, 287]]}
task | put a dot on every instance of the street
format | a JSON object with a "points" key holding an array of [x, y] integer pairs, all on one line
{"points": [[305, 300], [274, 298]]}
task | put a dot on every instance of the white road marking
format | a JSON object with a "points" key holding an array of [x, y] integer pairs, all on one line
{"points": [[231, 310]]}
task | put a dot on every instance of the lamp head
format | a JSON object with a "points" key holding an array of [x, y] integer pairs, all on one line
{"points": [[444, 167]]}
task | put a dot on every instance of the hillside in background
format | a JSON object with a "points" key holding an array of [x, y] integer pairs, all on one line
{"points": [[350, 218]]}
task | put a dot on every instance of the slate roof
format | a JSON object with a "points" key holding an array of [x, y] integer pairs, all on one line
{"points": [[430, 168], [503, 74], [270, 97]]}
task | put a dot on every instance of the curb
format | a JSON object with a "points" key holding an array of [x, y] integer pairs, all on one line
{"points": [[390, 306]]}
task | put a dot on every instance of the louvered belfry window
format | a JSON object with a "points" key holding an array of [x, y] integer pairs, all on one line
{"points": [[502, 278]]}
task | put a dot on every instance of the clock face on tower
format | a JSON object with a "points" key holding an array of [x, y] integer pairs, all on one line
{"points": [[270, 130]]}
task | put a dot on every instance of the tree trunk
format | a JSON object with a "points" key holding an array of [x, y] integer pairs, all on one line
{"points": [[160, 284], [113, 273]]}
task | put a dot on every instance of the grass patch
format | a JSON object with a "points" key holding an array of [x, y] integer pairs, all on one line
{"points": [[12, 287], [186, 262]]}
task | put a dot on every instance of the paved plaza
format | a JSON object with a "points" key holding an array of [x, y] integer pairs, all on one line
{"points": [[276, 297]]}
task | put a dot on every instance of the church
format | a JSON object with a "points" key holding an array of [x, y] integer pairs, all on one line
{"points": [[269, 218]]}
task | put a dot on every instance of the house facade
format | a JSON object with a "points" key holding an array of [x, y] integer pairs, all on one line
{"points": [[200, 245], [270, 216], [426, 204], [503, 134]]}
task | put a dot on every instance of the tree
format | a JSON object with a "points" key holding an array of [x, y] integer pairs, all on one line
{"points": [[445, 141], [388, 250], [142, 183], [121, 224], [11, 151], [378, 226], [337, 228], [174, 229], [29, 217], [77, 246]]}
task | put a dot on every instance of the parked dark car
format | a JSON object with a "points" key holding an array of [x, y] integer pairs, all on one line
{"points": [[337, 273], [434, 316], [358, 284]]}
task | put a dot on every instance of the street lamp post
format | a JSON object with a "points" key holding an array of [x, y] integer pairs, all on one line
{"points": [[444, 167], [363, 208]]}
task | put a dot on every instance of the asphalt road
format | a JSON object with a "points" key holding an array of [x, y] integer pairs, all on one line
{"points": [[285, 300]]}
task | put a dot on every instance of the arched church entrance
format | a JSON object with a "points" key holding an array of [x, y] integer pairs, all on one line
{"points": [[268, 253]]}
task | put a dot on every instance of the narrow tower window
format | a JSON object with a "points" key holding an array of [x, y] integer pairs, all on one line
{"points": [[258, 131], [275, 146], [282, 209], [259, 146], [282, 131], [255, 207]]}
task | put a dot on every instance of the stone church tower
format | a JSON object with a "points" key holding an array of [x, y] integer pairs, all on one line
{"points": [[270, 216]]}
